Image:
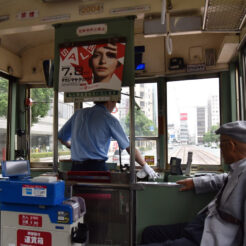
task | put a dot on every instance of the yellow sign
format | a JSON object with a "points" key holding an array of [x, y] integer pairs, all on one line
{"points": [[150, 159], [91, 9]]}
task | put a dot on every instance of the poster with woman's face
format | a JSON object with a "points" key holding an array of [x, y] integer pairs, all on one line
{"points": [[91, 67]]}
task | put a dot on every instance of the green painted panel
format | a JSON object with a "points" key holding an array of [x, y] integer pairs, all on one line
{"points": [[166, 205], [20, 107], [241, 84], [13, 88], [162, 122], [233, 91], [21, 119], [227, 98], [37, 173]]}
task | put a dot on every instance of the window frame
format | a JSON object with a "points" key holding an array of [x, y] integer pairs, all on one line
{"points": [[151, 138], [241, 77], [196, 167], [10, 125], [47, 165], [161, 138]]}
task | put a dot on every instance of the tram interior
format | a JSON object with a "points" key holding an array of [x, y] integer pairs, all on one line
{"points": [[178, 40]]}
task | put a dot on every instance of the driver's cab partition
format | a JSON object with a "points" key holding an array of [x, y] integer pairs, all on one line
{"points": [[163, 203], [107, 206]]}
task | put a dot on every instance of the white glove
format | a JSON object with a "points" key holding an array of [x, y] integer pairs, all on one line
{"points": [[152, 174], [141, 174]]}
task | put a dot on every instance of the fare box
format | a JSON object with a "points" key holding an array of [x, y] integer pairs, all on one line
{"points": [[28, 192]]}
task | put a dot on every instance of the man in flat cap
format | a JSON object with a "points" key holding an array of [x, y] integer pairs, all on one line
{"points": [[221, 222]]}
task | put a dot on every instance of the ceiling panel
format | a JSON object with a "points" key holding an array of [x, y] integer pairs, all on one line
{"points": [[224, 15], [19, 42]]}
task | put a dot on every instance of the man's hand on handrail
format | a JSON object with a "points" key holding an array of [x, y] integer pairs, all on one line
{"points": [[187, 184]]}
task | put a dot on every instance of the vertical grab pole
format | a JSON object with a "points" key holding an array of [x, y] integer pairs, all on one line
{"points": [[132, 136], [132, 166], [55, 132]]}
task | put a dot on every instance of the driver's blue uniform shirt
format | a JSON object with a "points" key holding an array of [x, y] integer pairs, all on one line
{"points": [[90, 131]]}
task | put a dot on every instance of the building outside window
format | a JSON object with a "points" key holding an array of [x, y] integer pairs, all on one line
{"points": [[146, 125], [193, 114]]}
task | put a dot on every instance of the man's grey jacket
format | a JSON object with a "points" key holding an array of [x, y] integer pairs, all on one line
{"points": [[218, 231]]}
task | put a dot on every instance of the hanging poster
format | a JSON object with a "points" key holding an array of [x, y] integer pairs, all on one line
{"points": [[91, 66]]}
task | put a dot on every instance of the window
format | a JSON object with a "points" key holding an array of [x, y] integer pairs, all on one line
{"points": [[121, 112], [4, 85], [146, 115], [193, 114], [41, 132], [146, 121], [88, 104], [146, 125], [65, 111], [142, 104]]}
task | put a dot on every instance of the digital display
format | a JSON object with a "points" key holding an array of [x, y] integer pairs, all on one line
{"points": [[140, 66], [15, 168]]}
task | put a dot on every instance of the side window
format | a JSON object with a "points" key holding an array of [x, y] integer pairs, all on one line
{"points": [[4, 85], [193, 114], [146, 125], [121, 112], [65, 111], [41, 129], [146, 121]]}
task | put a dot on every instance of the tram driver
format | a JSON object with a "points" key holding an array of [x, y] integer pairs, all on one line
{"points": [[221, 222], [88, 133]]}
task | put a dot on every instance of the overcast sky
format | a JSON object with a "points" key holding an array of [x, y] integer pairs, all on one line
{"points": [[185, 96]]}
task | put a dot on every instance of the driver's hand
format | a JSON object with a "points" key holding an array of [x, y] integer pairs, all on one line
{"points": [[150, 171]]}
